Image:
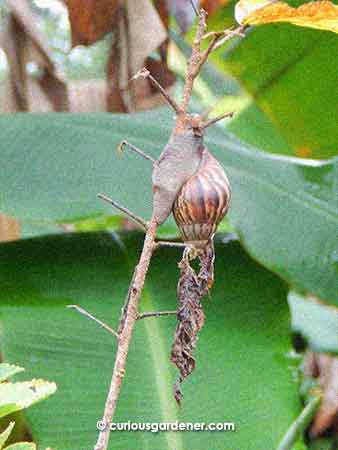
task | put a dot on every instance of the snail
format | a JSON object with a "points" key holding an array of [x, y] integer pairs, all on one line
{"points": [[189, 182], [202, 202]]}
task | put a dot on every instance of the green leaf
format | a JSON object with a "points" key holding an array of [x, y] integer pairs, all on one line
{"points": [[5, 434], [255, 128], [281, 66], [17, 396], [8, 370], [300, 424], [242, 373], [22, 446], [317, 322], [284, 208]]}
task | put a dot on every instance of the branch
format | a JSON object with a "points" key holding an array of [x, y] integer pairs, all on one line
{"points": [[127, 144], [194, 60], [157, 314], [209, 122], [171, 244], [127, 324], [198, 57], [144, 73], [126, 211], [230, 34], [91, 317]]}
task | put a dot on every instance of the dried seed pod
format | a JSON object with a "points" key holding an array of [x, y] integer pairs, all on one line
{"points": [[202, 202]]}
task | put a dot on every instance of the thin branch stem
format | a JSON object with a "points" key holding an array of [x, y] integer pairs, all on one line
{"points": [[127, 144], [95, 319], [300, 424], [144, 73], [194, 60], [209, 122], [170, 244], [156, 314], [230, 34], [194, 7], [198, 58], [126, 211], [129, 319]]}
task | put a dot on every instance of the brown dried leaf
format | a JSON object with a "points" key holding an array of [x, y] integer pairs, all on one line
{"points": [[91, 20], [163, 12], [322, 15], [212, 6], [14, 43], [22, 43], [190, 290], [23, 14], [133, 44], [87, 96], [9, 229]]}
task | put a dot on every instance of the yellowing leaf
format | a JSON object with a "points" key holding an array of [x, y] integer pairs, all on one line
{"points": [[20, 395], [322, 15], [244, 8], [8, 370]]}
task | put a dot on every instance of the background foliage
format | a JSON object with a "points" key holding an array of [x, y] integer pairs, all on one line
{"points": [[280, 152]]}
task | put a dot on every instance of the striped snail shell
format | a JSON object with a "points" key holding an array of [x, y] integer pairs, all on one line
{"points": [[202, 202]]}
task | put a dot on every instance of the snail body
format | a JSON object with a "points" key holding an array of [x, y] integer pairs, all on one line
{"points": [[178, 162], [202, 202]]}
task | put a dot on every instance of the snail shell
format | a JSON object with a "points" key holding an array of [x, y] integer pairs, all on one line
{"points": [[202, 202]]}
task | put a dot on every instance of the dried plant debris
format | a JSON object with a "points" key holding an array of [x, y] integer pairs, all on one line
{"points": [[190, 290]]}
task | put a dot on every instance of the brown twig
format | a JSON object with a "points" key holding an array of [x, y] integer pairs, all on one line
{"points": [[126, 211], [209, 122], [194, 61], [135, 149], [230, 34], [198, 57], [170, 244], [129, 319], [94, 319], [144, 73], [157, 314]]}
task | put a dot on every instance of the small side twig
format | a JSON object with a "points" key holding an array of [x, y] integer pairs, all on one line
{"points": [[209, 122], [156, 314], [144, 73], [127, 144], [126, 211], [95, 319], [170, 244], [230, 34]]}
